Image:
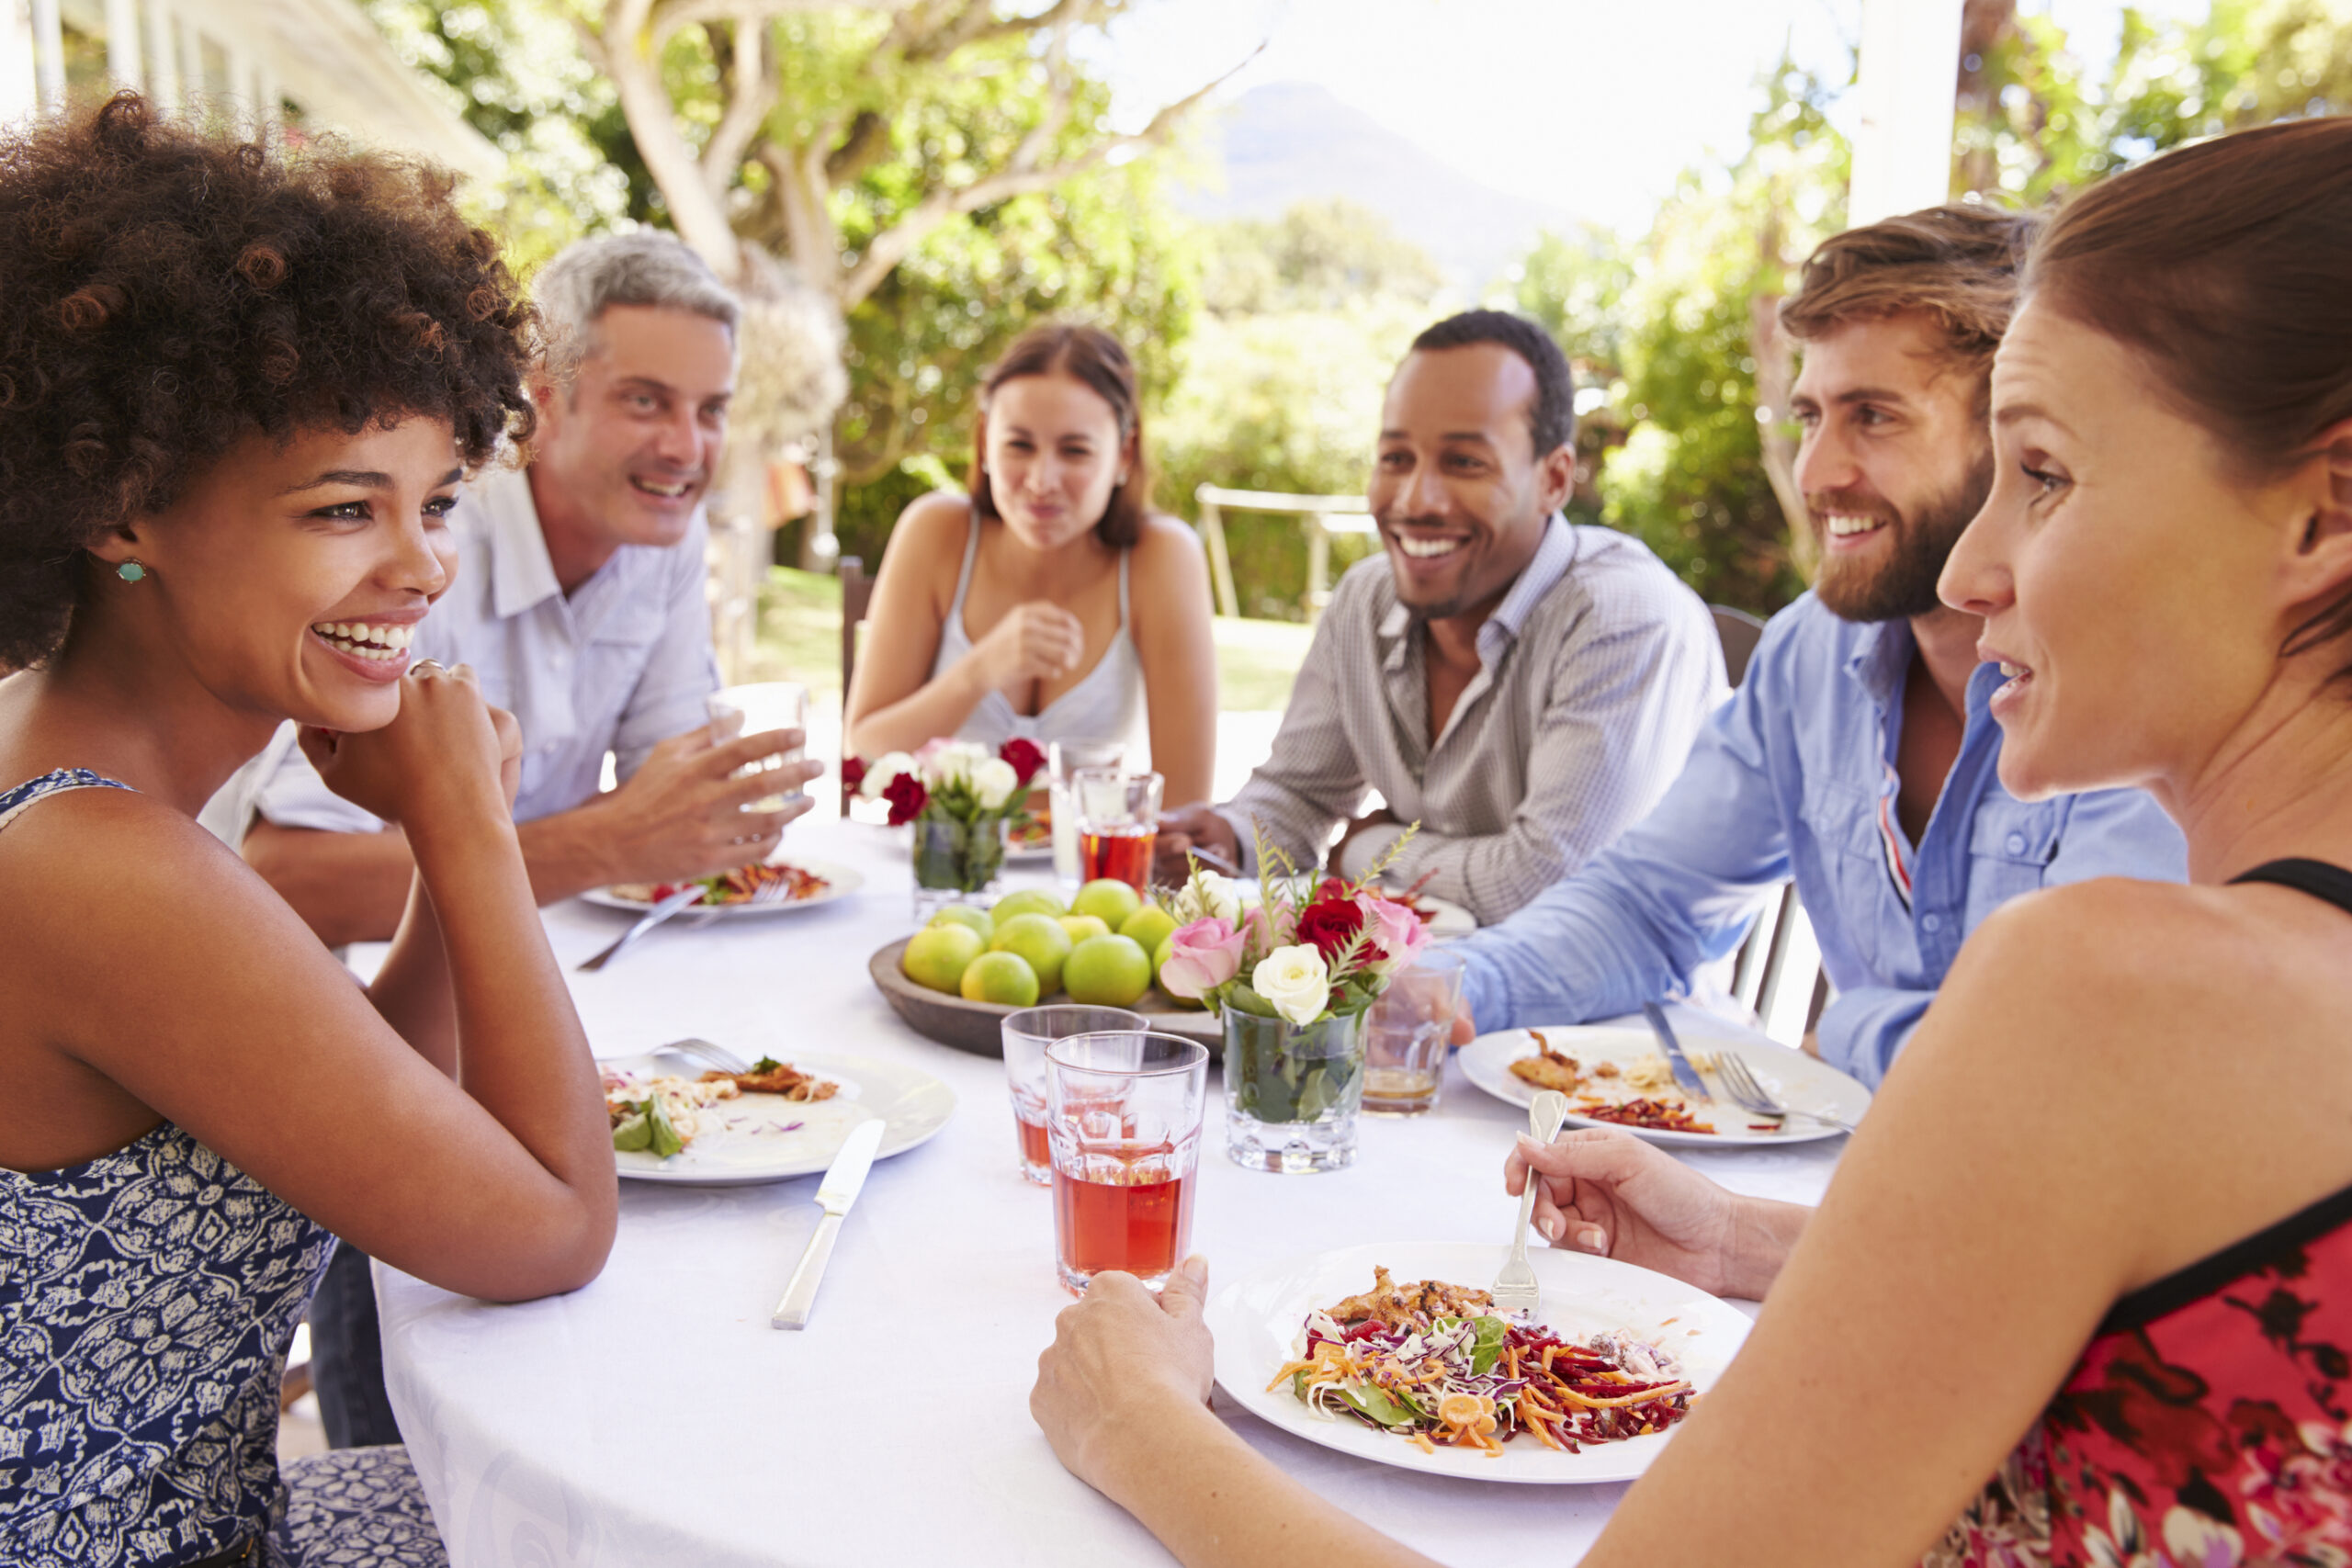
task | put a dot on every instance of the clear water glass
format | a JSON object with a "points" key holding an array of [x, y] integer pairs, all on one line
{"points": [[1407, 1034], [755, 709], [1027, 1033]]}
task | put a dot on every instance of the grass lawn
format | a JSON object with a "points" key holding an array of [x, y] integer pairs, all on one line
{"points": [[799, 639]]}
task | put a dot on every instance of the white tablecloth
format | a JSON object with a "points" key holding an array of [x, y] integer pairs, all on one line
{"points": [[654, 1418]]}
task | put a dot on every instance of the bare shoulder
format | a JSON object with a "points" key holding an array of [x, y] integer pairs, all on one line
{"points": [[930, 533], [1169, 568], [1166, 538], [2121, 986], [113, 861]]}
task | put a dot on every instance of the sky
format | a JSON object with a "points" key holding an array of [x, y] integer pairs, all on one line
{"points": [[1593, 106]]}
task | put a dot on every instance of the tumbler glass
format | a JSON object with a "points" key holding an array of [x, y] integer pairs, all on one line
{"points": [[1119, 818], [756, 708], [1123, 1127], [1027, 1033], [1405, 1042], [1063, 758]]}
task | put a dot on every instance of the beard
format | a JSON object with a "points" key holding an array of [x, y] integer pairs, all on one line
{"points": [[1904, 585]]}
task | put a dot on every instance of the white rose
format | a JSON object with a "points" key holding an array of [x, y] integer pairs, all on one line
{"points": [[889, 766], [993, 781], [1219, 896], [1295, 981], [955, 764]]}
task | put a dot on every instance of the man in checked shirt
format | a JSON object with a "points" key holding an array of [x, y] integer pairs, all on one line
{"points": [[1858, 756], [1521, 687]]}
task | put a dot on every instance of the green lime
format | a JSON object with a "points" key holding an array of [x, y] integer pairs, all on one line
{"points": [[1041, 941], [1001, 977], [1107, 971], [970, 914], [1151, 926], [937, 956], [1108, 900], [1080, 927], [1028, 901]]}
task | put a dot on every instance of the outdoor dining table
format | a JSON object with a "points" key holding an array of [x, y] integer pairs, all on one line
{"points": [[655, 1417]]}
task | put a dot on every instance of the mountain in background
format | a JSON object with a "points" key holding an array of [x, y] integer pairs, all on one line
{"points": [[1291, 141]]}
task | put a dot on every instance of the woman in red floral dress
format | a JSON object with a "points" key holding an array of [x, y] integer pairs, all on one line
{"points": [[2082, 1282]]}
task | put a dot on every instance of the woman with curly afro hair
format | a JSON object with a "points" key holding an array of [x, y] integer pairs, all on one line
{"points": [[237, 396]]}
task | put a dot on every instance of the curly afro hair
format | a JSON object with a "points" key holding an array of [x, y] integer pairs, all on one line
{"points": [[170, 292]]}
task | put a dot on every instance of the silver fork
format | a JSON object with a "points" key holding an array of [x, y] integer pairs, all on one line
{"points": [[1515, 1289], [704, 1051], [1751, 1096]]}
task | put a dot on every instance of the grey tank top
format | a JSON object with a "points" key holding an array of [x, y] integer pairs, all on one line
{"points": [[1106, 703]]}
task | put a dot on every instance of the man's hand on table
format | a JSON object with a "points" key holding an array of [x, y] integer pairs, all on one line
{"points": [[1184, 829], [1122, 1361], [1338, 857], [683, 814]]}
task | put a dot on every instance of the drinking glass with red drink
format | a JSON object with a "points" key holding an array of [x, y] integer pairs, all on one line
{"points": [[1123, 1127], [1118, 817], [1027, 1035]]}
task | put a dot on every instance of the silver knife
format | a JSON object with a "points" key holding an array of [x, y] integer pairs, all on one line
{"points": [[1686, 1077], [646, 922], [834, 1195]]}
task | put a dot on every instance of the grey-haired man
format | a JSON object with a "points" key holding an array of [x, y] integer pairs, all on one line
{"points": [[579, 601]]}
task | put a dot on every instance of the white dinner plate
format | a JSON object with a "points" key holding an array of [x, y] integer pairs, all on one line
{"points": [[1258, 1321], [842, 881], [913, 1107], [1796, 1080]]}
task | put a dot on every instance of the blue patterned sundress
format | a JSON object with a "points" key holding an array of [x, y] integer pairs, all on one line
{"points": [[147, 1297]]}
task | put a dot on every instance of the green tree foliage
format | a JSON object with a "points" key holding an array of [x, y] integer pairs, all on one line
{"points": [[1676, 325], [513, 69], [1666, 329], [1280, 382]]}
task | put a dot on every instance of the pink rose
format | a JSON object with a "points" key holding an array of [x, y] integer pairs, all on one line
{"points": [[1201, 957], [1397, 930]]}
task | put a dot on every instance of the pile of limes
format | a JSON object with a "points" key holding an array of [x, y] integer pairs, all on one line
{"points": [[1104, 948]]}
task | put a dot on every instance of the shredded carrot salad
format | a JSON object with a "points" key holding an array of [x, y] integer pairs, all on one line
{"points": [[1478, 1382]]}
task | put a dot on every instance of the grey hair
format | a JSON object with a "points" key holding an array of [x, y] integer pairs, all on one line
{"points": [[643, 267]]}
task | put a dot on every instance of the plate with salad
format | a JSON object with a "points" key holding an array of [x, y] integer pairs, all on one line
{"points": [[1394, 1354], [762, 888], [675, 1119]]}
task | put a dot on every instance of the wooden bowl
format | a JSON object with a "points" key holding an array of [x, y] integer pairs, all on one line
{"points": [[974, 1026]]}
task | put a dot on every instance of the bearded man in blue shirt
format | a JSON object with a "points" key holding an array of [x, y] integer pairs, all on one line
{"points": [[1856, 755]]}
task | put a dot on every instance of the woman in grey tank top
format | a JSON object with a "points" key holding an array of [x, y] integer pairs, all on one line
{"points": [[1052, 602]]}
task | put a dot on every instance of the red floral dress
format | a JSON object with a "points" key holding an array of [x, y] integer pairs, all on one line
{"points": [[2209, 1423]]}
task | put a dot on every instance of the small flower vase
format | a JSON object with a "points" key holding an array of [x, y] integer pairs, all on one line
{"points": [[954, 862], [1292, 1092]]}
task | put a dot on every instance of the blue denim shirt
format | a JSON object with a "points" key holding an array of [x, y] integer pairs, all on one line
{"points": [[1788, 780]]}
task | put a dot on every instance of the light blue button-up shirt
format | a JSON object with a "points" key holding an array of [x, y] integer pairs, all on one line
{"points": [[621, 663], [1794, 777]]}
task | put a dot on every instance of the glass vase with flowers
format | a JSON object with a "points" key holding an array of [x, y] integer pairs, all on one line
{"points": [[956, 796], [1292, 977]]}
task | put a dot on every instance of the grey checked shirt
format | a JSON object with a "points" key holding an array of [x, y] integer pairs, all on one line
{"points": [[1596, 673]]}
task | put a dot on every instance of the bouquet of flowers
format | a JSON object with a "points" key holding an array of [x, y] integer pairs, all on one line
{"points": [[1311, 954], [957, 794], [1310, 951]]}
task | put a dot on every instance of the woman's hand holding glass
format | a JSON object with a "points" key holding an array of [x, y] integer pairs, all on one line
{"points": [[1037, 640], [1122, 1361], [446, 751], [1605, 1191]]}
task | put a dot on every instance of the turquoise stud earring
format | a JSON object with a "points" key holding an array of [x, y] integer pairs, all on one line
{"points": [[130, 572]]}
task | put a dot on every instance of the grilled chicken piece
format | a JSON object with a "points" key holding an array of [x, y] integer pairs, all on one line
{"points": [[1553, 1069]]}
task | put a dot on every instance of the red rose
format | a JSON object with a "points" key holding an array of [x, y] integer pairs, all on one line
{"points": [[907, 798], [1332, 924], [853, 773], [1025, 759]]}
